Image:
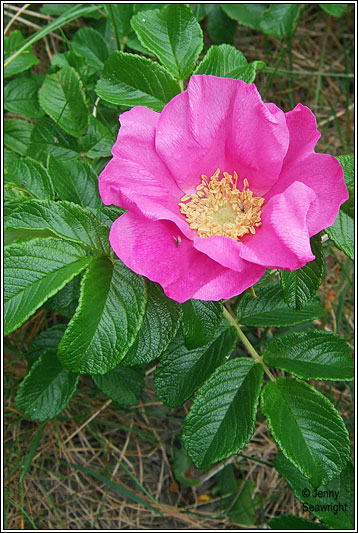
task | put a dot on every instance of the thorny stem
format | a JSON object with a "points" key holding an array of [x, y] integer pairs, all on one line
{"points": [[245, 341]]}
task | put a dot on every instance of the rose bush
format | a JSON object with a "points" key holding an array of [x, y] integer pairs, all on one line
{"points": [[218, 187]]}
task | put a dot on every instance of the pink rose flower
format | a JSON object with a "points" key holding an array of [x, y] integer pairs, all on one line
{"points": [[218, 187]]}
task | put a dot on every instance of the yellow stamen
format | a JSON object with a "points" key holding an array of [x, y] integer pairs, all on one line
{"points": [[220, 208], [185, 198]]}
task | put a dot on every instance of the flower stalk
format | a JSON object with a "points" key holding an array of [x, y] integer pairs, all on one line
{"points": [[245, 341]]}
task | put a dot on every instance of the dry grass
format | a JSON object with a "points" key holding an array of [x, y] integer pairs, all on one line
{"points": [[115, 442], [133, 447]]}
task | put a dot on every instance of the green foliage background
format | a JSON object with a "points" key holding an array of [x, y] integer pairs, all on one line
{"points": [[98, 318]]}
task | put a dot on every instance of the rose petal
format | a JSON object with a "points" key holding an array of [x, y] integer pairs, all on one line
{"points": [[260, 139], [136, 143], [152, 249], [221, 249], [230, 283], [136, 178], [283, 239], [221, 123], [321, 172], [218, 123]]}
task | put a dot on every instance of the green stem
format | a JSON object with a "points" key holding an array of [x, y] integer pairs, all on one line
{"points": [[254, 459], [181, 85], [245, 341], [116, 32], [123, 44]]}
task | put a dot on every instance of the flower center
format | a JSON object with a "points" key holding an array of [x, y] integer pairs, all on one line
{"points": [[219, 208]]}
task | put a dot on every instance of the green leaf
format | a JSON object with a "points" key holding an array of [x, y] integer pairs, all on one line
{"points": [[160, 324], [123, 385], [120, 15], [248, 505], [98, 140], [333, 503], [17, 134], [199, 322], [226, 61], [71, 14], [48, 138], [311, 355], [90, 44], [66, 300], [56, 9], [307, 427], [279, 19], [63, 219], [173, 35], [342, 233], [199, 11], [61, 97], [86, 72], [147, 7], [17, 235], [99, 165], [25, 60], [31, 177], [238, 497], [182, 371], [34, 271], [181, 467], [270, 310], [221, 28], [46, 389], [10, 206], [20, 97], [347, 163], [246, 14], [336, 10], [299, 286], [75, 181], [222, 417], [131, 80], [9, 155], [290, 521], [134, 44], [31, 451], [107, 214], [44, 341], [107, 320]]}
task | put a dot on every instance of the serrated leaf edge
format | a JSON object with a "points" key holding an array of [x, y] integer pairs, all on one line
{"points": [[28, 376], [292, 460], [51, 292], [179, 70], [203, 465], [295, 373]]}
